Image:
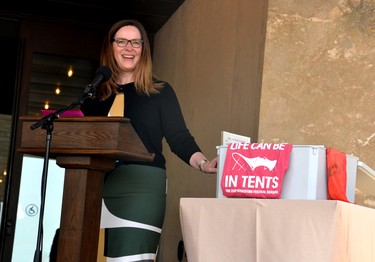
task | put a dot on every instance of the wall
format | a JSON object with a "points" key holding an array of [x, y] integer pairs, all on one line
{"points": [[317, 86], [318, 79], [212, 54]]}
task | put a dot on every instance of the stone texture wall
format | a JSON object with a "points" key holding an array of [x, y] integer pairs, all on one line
{"points": [[318, 78]]}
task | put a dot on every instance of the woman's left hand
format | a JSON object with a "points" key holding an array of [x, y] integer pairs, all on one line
{"points": [[210, 167]]}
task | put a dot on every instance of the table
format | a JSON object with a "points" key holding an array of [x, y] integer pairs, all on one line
{"points": [[267, 230]]}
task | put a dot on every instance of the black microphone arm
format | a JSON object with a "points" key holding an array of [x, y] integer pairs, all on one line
{"points": [[102, 75]]}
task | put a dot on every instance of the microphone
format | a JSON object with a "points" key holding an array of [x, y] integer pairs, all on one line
{"points": [[102, 74]]}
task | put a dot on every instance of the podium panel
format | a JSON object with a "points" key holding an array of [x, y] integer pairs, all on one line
{"points": [[111, 137], [87, 147]]}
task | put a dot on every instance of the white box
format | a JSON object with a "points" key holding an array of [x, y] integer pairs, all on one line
{"points": [[306, 177]]}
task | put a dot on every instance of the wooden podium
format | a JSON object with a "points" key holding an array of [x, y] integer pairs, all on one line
{"points": [[87, 147]]}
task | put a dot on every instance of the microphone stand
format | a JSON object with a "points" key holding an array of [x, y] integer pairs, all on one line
{"points": [[47, 123]]}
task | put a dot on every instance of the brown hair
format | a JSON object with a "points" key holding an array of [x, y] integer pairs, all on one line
{"points": [[143, 74]]}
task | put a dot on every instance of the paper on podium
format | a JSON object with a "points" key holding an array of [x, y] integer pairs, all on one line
{"points": [[227, 138]]}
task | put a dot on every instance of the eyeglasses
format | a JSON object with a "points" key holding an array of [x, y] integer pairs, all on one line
{"points": [[122, 42]]}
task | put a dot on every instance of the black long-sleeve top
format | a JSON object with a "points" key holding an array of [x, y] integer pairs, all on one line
{"points": [[153, 118]]}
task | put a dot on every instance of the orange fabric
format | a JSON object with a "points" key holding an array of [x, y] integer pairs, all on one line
{"points": [[336, 172]]}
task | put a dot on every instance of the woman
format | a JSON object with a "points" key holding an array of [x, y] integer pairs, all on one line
{"points": [[135, 192]]}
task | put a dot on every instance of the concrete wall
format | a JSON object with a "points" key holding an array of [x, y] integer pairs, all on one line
{"points": [[212, 54], [317, 81]]}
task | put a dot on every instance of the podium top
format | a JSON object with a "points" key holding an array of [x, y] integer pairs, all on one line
{"points": [[112, 137]]}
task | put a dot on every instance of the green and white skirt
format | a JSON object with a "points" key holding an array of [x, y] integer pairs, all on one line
{"points": [[134, 199]]}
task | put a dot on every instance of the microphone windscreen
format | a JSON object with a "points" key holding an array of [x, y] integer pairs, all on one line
{"points": [[105, 71]]}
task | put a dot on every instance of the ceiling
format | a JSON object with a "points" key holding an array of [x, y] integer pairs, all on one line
{"points": [[152, 13], [50, 72]]}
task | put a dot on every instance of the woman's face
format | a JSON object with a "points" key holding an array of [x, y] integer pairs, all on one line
{"points": [[127, 57]]}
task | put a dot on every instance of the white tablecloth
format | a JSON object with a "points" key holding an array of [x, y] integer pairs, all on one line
{"points": [[276, 230]]}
